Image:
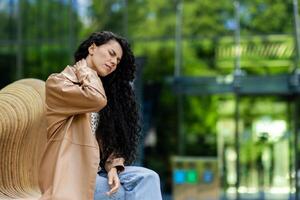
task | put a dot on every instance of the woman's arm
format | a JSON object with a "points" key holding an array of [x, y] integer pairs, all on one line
{"points": [[113, 166], [75, 90], [114, 162]]}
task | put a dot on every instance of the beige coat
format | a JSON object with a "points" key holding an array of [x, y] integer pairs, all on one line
{"points": [[70, 162]]}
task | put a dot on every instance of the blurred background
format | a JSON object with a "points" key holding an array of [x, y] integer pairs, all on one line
{"points": [[217, 81]]}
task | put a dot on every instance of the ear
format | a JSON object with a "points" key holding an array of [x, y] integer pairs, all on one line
{"points": [[91, 49]]}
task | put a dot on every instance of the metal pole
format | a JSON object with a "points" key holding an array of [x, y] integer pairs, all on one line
{"points": [[177, 73], [297, 31], [125, 18], [178, 38], [181, 139], [237, 37], [296, 72], [19, 71], [237, 144], [296, 140], [11, 26], [237, 74], [72, 4], [138, 87]]}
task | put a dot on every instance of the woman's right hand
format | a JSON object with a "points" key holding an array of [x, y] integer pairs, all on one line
{"points": [[81, 63]]}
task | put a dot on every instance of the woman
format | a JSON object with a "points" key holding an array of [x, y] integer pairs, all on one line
{"points": [[93, 127]]}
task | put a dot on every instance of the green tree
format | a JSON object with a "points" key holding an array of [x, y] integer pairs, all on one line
{"points": [[49, 32]]}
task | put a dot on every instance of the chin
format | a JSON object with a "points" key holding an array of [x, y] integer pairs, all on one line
{"points": [[103, 74]]}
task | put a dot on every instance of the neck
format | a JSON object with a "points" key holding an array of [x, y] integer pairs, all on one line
{"points": [[89, 63]]}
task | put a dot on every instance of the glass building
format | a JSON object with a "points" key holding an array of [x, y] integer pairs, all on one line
{"points": [[250, 79]]}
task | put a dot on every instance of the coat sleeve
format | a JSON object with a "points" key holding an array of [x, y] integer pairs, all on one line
{"points": [[69, 97], [114, 161]]}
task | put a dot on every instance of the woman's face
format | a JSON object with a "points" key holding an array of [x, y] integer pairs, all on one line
{"points": [[105, 58]]}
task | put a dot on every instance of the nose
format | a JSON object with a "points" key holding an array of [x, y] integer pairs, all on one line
{"points": [[114, 61]]}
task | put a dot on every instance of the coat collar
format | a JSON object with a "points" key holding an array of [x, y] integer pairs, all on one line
{"points": [[69, 73]]}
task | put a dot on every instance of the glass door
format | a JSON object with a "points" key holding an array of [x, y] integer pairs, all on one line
{"points": [[266, 148]]}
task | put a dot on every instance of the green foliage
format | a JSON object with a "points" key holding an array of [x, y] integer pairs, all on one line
{"points": [[199, 58], [107, 15], [160, 59], [45, 60], [266, 16], [206, 18], [48, 32], [200, 125]]}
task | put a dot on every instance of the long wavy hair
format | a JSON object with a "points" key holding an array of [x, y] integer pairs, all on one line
{"points": [[118, 129]]}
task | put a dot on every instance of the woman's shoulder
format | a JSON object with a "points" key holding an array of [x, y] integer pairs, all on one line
{"points": [[68, 73]]}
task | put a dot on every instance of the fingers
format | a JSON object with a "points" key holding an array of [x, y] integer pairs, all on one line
{"points": [[113, 190], [114, 184], [110, 181], [81, 63]]}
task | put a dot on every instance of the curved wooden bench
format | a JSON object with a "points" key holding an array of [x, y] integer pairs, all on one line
{"points": [[22, 138]]}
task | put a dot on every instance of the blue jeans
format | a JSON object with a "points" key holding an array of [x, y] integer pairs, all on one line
{"points": [[137, 183]]}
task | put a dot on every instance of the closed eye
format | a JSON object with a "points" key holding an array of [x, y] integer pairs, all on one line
{"points": [[114, 54], [111, 53]]}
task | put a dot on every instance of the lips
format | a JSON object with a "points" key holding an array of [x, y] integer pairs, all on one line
{"points": [[107, 66]]}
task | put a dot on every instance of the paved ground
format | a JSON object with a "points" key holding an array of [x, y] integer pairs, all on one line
{"points": [[260, 196], [257, 196]]}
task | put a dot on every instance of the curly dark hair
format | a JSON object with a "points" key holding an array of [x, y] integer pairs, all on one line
{"points": [[118, 130]]}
